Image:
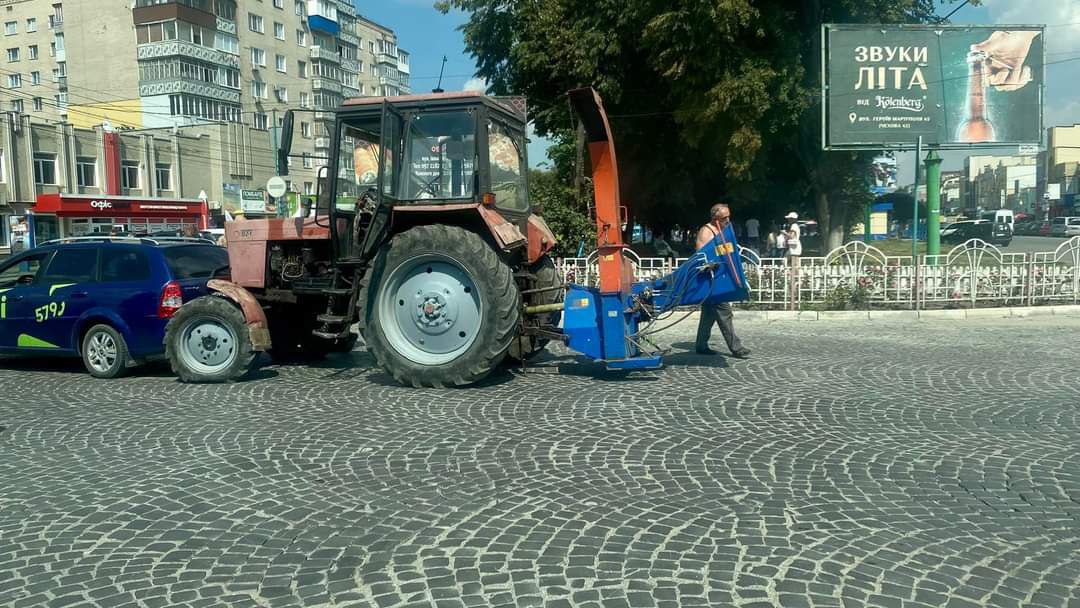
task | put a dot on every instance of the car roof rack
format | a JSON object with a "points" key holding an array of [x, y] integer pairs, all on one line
{"points": [[128, 239]]}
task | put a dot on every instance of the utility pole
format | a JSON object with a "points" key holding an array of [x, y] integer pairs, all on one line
{"points": [[933, 203], [915, 204]]}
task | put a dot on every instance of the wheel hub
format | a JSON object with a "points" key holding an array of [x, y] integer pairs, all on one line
{"points": [[209, 344], [431, 311]]}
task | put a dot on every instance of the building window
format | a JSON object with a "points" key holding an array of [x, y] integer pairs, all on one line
{"points": [[301, 68], [11, 28], [298, 7], [309, 188], [255, 23], [33, 51], [258, 57], [227, 43], [129, 174], [13, 55], [279, 4], [261, 122], [17, 105], [164, 176], [44, 168], [14, 81], [38, 104], [258, 89], [305, 99], [31, 25], [281, 63], [307, 161], [301, 38], [281, 94], [86, 171], [279, 30], [305, 129], [232, 78], [35, 77]]}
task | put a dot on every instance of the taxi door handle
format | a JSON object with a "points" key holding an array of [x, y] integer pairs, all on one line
{"points": [[79, 294]]}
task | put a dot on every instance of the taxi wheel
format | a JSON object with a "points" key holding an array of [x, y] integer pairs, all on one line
{"points": [[104, 352]]}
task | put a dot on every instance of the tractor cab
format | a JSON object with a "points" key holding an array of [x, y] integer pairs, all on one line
{"points": [[428, 154]]}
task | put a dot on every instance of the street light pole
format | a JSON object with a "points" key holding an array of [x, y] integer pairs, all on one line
{"points": [[915, 204]]}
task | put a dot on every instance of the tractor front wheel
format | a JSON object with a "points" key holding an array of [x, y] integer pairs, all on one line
{"points": [[442, 307], [208, 341]]}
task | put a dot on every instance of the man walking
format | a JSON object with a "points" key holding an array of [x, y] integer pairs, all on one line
{"points": [[717, 313]]}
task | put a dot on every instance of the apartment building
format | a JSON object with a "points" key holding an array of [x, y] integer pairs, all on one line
{"points": [[58, 180], [179, 63]]}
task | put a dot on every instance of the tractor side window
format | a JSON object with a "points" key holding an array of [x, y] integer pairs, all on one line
{"points": [[507, 168], [358, 170], [442, 155]]}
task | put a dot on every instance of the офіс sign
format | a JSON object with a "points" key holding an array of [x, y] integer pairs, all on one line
{"points": [[956, 86]]}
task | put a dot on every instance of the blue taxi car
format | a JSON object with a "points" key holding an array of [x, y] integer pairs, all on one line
{"points": [[106, 300]]}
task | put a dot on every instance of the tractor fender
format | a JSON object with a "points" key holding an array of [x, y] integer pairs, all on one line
{"points": [[254, 315], [507, 235], [541, 238]]}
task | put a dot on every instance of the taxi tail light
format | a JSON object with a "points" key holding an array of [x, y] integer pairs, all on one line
{"points": [[172, 298]]}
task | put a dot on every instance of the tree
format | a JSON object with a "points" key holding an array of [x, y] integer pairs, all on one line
{"points": [[708, 100], [564, 212]]}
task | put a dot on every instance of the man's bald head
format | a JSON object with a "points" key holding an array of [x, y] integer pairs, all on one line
{"points": [[720, 212]]}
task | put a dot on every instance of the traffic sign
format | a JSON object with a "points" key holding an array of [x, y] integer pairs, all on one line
{"points": [[276, 187]]}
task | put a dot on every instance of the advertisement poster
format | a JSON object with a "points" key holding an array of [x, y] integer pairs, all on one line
{"points": [[366, 163], [956, 86], [230, 200], [253, 201], [883, 173]]}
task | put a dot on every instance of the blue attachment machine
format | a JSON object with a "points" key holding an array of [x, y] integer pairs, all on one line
{"points": [[614, 328]]}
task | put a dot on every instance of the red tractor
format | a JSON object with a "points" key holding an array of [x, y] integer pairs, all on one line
{"points": [[423, 235]]}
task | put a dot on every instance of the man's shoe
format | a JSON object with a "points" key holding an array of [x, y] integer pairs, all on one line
{"points": [[706, 351], [742, 353]]}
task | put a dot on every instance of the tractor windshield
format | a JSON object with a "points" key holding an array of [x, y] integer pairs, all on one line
{"points": [[441, 156]]}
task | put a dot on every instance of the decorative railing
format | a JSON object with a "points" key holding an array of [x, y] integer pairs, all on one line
{"points": [[973, 274]]}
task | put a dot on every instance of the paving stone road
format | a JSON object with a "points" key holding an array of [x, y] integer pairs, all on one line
{"points": [[868, 464]]}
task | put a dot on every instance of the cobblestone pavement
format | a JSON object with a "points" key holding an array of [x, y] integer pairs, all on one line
{"points": [[872, 464]]}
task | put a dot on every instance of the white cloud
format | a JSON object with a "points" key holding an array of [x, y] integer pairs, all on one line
{"points": [[478, 85]]}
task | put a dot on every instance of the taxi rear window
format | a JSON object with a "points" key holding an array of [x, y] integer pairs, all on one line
{"points": [[196, 261]]}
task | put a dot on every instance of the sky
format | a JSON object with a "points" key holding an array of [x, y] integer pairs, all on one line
{"points": [[1062, 93], [428, 35]]}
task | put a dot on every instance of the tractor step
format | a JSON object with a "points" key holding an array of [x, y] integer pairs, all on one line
{"points": [[329, 335], [332, 319]]}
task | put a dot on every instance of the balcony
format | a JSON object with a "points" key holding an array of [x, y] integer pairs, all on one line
{"points": [[226, 26], [346, 7], [171, 48], [56, 24], [188, 86], [350, 65], [387, 58], [61, 55], [348, 91], [349, 37], [325, 84], [324, 54], [61, 83]]}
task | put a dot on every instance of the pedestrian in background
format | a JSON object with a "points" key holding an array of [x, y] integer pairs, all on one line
{"points": [[794, 253], [720, 217], [753, 234]]}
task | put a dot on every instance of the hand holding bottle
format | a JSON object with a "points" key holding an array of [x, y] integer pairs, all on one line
{"points": [[1008, 51]]}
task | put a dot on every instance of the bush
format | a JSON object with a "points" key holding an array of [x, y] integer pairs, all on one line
{"points": [[565, 214]]}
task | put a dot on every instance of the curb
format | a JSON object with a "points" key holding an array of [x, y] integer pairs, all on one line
{"points": [[958, 314]]}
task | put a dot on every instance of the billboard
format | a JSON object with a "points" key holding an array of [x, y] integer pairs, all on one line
{"points": [[956, 86]]}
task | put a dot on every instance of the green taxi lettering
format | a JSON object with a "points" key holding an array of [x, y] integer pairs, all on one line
{"points": [[51, 310], [3, 307]]}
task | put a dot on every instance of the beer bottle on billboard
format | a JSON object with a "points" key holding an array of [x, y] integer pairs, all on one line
{"points": [[977, 128]]}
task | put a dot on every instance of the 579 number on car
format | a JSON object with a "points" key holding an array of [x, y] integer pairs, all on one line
{"points": [[49, 311]]}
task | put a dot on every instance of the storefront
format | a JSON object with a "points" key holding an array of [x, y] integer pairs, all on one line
{"points": [[71, 215]]}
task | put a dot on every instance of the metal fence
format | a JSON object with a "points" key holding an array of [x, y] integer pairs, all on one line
{"points": [[973, 274]]}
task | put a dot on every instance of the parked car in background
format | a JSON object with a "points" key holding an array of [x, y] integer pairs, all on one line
{"points": [[1065, 226], [1045, 228], [104, 299], [992, 232], [1027, 228]]}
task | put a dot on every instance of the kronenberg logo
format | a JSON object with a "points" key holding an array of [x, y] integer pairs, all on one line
{"points": [[101, 204]]}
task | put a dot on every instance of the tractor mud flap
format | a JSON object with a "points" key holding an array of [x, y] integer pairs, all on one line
{"points": [[254, 315]]}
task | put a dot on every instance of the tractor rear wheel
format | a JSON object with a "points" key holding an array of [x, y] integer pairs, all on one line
{"points": [[547, 276], [441, 308]]}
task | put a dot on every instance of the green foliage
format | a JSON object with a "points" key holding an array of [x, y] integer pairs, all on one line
{"points": [[709, 100], [567, 216], [844, 297]]}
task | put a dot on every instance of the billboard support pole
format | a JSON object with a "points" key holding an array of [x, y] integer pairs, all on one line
{"points": [[867, 217], [933, 203], [915, 204]]}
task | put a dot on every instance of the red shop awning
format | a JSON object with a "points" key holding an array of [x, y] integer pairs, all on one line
{"points": [[89, 205]]}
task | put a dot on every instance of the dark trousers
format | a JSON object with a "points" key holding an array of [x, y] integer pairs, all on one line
{"points": [[721, 315]]}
